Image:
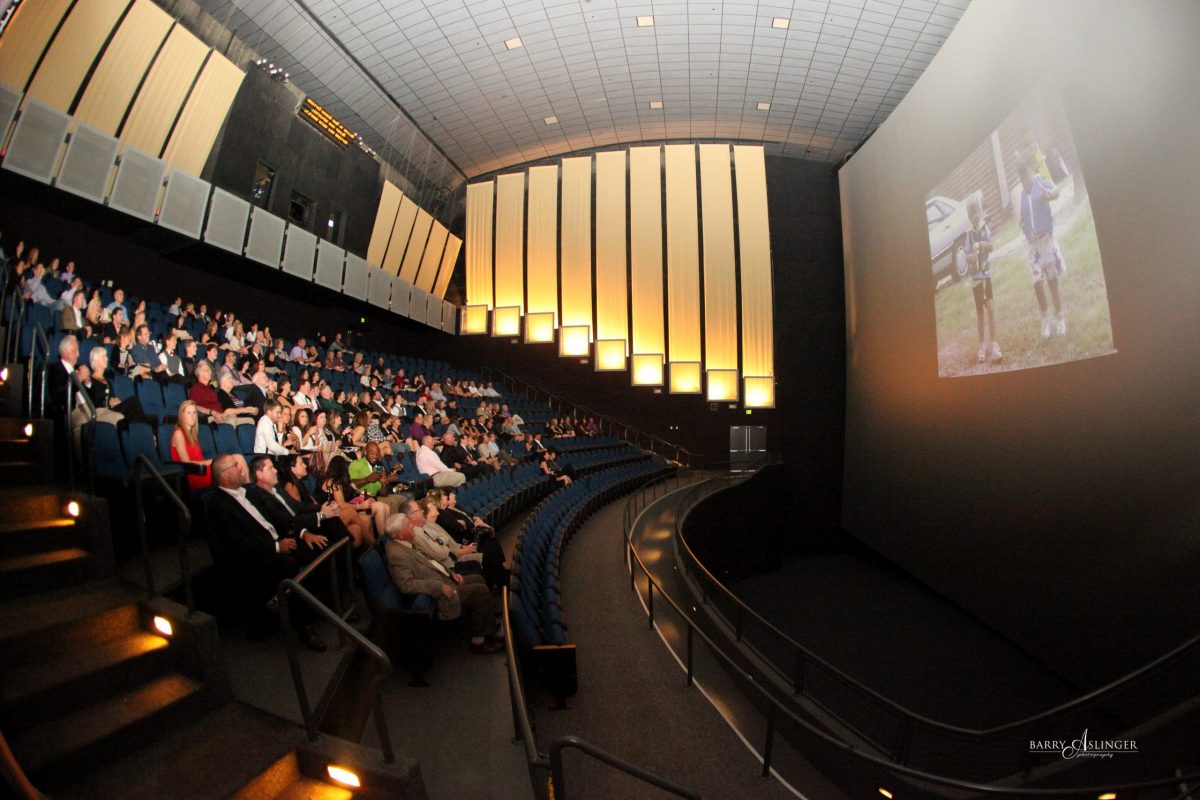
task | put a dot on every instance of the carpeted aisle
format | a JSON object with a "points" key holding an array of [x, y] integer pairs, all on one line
{"points": [[633, 699]]}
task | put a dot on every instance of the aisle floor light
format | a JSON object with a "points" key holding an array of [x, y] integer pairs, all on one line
{"points": [[574, 340], [343, 776], [610, 355], [539, 326], [722, 386], [647, 369], [163, 626], [685, 377], [506, 321], [759, 392]]}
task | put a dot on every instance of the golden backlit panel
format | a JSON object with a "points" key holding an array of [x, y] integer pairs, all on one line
{"points": [[645, 247], [683, 255], [432, 259], [110, 89], [754, 242], [720, 279], [612, 299], [685, 377], [610, 355], [760, 392], [72, 52], [481, 200], [573, 340], [203, 115], [577, 241], [402, 228], [162, 93], [539, 326], [506, 321], [26, 37], [446, 268], [541, 273], [510, 237], [385, 218], [416, 246], [722, 385], [474, 319], [647, 369]]}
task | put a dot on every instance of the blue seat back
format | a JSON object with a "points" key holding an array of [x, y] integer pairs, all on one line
{"points": [[227, 440]]}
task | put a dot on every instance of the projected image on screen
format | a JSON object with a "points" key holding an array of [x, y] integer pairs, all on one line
{"points": [[1017, 276]]}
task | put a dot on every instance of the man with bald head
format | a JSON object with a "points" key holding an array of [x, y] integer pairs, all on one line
{"points": [[369, 475], [257, 554], [430, 463]]}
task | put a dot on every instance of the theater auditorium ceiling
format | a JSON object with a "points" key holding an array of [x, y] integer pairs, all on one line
{"points": [[493, 84]]}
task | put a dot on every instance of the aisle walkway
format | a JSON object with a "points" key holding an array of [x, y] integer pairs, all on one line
{"points": [[633, 699]]}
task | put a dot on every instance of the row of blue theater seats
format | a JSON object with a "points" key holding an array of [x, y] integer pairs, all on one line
{"points": [[535, 601]]}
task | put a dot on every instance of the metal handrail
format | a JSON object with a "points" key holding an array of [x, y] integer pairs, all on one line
{"points": [[800, 649], [776, 707], [77, 395], [312, 718], [39, 336], [16, 318], [185, 527], [613, 424], [551, 765], [14, 775], [629, 768]]}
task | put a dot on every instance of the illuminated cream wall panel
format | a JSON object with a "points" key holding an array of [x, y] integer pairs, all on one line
{"points": [[427, 274], [612, 299], [203, 115], [24, 41], [481, 206], [163, 92], [73, 51], [754, 244], [720, 274], [683, 255], [645, 248], [576, 269], [119, 73], [385, 218], [510, 236], [416, 246], [446, 270], [542, 269], [402, 228]]}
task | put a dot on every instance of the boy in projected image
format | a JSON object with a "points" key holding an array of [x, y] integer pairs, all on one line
{"points": [[1046, 263], [979, 248]]}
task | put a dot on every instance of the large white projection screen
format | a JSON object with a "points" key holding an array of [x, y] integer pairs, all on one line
{"points": [[1016, 266]]}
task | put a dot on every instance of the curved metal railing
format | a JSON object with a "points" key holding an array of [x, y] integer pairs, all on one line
{"points": [[905, 735], [777, 708]]}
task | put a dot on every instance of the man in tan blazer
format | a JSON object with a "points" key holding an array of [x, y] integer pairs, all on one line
{"points": [[413, 573]]}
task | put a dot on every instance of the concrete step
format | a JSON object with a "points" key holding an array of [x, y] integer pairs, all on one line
{"points": [[59, 748], [52, 625], [309, 789], [32, 573], [19, 472], [33, 693], [34, 536]]}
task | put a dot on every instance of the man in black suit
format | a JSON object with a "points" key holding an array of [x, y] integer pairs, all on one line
{"points": [[258, 553], [58, 374], [316, 526]]}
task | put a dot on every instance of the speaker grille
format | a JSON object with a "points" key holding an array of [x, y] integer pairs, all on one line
{"points": [[138, 185], [266, 238], [184, 204], [299, 253], [227, 218], [88, 164], [36, 142]]}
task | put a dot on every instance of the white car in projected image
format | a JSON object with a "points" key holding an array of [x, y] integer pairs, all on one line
{"points": [[948, 226]]}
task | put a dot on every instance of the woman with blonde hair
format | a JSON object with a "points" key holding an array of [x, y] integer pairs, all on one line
{"points": [[185, 446]]}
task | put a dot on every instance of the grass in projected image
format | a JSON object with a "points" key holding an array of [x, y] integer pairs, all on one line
{"points": [[1018, 281]]}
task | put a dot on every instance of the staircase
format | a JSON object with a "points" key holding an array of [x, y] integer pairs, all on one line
{"points": [[96, 701]]}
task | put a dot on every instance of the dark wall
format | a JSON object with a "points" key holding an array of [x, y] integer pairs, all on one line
{"points": [[263, 126]]}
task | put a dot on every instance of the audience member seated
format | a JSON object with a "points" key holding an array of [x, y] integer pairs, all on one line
{"points": [[435, 543], [563, 475], [109, 408], [453, 594], [71, 319], [58, 375], [473, 529], [305, 521], [359, 513], [369, 474], [185, 446], [429, 463], [266, 434], [258, 554], [455, 456], [235, 408]]}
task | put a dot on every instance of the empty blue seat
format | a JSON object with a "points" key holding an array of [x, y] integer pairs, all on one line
{"points": [[227, 440], [149, 394], [208, 442], [173, 397], [122, 386], [245, 435]]}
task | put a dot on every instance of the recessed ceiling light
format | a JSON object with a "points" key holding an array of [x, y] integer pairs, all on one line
{"points": [[513, 43], [656, 103], [764, 106], [781, 22], [645, 22], [551, 120]]}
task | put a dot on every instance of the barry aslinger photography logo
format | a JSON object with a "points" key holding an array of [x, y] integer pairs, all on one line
{"points": [[1084, 747]]}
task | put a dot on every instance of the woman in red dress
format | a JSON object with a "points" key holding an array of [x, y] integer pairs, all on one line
{"points": [[185, 447]]}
